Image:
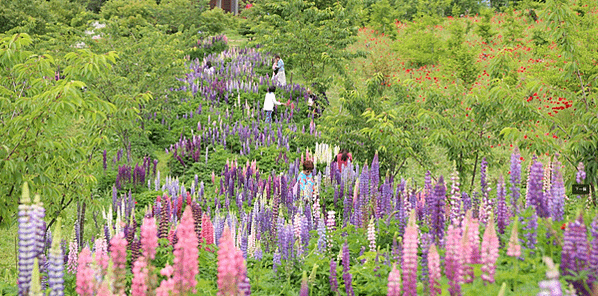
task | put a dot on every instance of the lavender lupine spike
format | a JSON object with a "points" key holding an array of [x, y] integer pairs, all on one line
{"points": [[455, 215], [501, 206], [575, 256], [557, 194], [322, 236], [56, 263], [531, 231], [581, 173], [552, 286], [515, 178], [27, 241]]}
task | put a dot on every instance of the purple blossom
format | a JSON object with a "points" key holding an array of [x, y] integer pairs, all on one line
{"points": [[501, 205], [515, 178], [437, 210], [575, 256], [535, 195]]}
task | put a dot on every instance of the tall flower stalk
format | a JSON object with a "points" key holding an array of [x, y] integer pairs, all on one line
{"points": [[410, 257], [27, 242]]}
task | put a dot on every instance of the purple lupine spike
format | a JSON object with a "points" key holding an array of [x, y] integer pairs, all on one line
{"points": [[425, 242], [332, 277], [535, 195], [437, 211], [515, 178], [581, 173], [501, 205], [531, 231], [594, 251], [486, 204], [321, 236], [574, 258], [56, 264], [557, 194], [347, 277], [104, 162]]}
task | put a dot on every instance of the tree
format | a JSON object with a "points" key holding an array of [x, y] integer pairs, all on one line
{"points": [[51, 126]]}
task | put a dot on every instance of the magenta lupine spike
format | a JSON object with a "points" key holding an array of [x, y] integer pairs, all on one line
{"points": [[489, 253], [514, 248], [454, 260], [149, 237], [394, 282], [85, 274], [410, 263], [434, 270]]}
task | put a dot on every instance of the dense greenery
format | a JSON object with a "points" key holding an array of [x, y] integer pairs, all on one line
{"points": [[90, 88]]}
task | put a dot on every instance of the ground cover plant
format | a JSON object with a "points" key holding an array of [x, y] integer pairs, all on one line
{"points": [[467, 133]]}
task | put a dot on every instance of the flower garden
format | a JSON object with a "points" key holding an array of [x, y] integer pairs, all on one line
{"points": [[218, 210]]}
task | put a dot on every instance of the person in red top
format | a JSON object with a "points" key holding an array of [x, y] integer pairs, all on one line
{"points": [[342, 158]]}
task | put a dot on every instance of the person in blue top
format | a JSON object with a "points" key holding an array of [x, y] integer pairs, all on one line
{"points": [[279, 75], [306, 181]]}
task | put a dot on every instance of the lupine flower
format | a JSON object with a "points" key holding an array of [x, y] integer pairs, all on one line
{"points": [[27, 242], [36, 289], [471, 246], [332, 277], [557, 194], [207, 230], [501, 205], [454, 260], [347, 277], [149, 237], [56, 263], [230, 265], [424, 243], [531, 231], [437, 210], [489, 253], [140, 274], [409, 266], [394, 282], [321, 236], [304, 287], [372, 235], [536, 196], [552, 286], [276, 261], [581, 173], [85, 274], [186, 255], [455, 215], [594, 251], [118, 253], [167, 285], [514, 249], [574, 258], [434, 269], [72, 258], [515, 178]]}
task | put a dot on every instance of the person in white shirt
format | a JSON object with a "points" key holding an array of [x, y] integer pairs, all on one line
{"points": [[269, 103]]}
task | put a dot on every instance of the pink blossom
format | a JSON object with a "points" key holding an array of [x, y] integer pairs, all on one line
{"points": [[72, 260], [514, 249], [118, 253], [140, 274], [207, 230], [394, 282], [85, 274], [434, 269], [149, 237], [167, 286], [410, 257], [489, 253], [454, 260], [231, 266], [186, 255]]}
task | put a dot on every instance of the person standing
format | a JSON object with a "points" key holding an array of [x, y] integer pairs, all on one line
{"points": [[306, 181], [269, 103], [279, 75], [342, 158]]}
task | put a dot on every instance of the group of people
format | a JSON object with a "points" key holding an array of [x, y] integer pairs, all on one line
{"points": [[306, 180]]}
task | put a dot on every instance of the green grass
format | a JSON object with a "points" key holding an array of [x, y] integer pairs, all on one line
{"points": [[8, 260]]}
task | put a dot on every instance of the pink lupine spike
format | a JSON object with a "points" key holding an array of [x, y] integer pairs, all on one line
{"points": [[85, 274], [186, 255], [207, 231], [514, 249], [410, 257], [118, 253], [394, 282], [231, 266], [434, 269], [149, 237], [140, 274], [490, 246]]}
